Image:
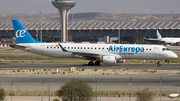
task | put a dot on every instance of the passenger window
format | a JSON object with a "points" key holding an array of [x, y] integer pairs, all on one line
{"points": [[99, 48], [88, 48], [68, 47], [64, 47], [81, 47], [78, 47], [71, 47], [163, 49], [84, 47], [94, 48], [103, 48], [47, 47], [91, 48], [74, 47], [146, 49]]}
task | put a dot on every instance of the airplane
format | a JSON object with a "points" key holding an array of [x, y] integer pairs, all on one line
{"points": [[165, 40], [172, 96], [105, 53]]}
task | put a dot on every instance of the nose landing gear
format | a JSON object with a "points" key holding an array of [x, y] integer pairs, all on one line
{"points": [[158, 64]]}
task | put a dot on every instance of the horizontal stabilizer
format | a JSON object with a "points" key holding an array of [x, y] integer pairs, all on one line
{"points": [[17, 46]]}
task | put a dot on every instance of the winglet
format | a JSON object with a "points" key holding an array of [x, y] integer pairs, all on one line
{"points": [[21, 34], [64, 50], [145, 38]]}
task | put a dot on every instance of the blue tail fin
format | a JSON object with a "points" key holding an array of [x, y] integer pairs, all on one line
{"points": [[158, 35], [21, 34]]}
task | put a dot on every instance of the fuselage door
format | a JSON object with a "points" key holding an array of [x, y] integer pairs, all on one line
{"points": [[156, 51], [42, 48]]}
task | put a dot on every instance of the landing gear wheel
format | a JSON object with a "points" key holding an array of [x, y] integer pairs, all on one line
{"points": [[90, 63], [158, 65], [97, 63]]}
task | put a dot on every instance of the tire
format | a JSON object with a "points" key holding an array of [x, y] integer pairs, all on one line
{"points": [[158, 65], [91, 63], [97, 63]]}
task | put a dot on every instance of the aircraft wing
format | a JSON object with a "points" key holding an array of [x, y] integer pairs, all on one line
{"points": [[153, 39], [94, 54]]}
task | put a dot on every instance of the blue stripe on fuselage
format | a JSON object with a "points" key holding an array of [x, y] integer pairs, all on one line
{"points": [[64, 50]]}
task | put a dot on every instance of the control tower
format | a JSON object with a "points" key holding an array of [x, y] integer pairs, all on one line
{"points": [[64, 7]]}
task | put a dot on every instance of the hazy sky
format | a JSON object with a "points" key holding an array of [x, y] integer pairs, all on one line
{"points": [[105, 6]]}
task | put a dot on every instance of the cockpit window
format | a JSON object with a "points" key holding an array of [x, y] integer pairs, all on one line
{"points": [[167, 49], [164, 49]]}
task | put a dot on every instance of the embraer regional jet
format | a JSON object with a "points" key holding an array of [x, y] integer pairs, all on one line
{"points": [[165, 40], [105, 53]]}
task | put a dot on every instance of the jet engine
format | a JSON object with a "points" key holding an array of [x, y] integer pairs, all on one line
{"points": [[109, 59]]}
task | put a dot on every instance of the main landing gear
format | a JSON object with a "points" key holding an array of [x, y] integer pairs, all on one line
{"points": [[91, 63], [158, 64]]}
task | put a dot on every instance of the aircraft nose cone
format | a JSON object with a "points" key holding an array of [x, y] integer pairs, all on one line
{"points": [[175, 56]]}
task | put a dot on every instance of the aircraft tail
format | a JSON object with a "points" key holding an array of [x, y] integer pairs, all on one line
{"points": [[145, 38], [158, 35], [21, 34]]}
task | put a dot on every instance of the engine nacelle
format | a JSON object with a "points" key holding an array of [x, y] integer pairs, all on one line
{"points": [[109, 59]]}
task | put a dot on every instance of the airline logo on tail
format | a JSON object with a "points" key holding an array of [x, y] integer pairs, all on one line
{"points": [[20, 33], [158, 35]]}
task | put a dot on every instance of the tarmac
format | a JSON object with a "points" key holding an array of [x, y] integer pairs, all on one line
{"points": [[102, 66], [38, 98], [117, 82], [170, 78]]}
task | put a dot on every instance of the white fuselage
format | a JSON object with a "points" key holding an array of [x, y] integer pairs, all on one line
{"points": [[170, 40], [151, 52]]}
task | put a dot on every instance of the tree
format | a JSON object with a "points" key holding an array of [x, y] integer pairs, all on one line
{"points": [[144, 95], [140, 41], [75, 90], [124, 42], [2, 94]]}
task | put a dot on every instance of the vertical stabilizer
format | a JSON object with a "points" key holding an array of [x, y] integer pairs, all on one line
{"points": [[21, 34], [158, 35]]}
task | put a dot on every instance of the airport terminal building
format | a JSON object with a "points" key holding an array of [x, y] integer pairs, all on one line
{"points": [[95, 32]]}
